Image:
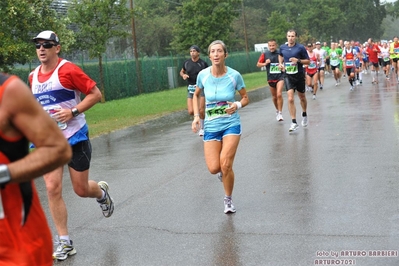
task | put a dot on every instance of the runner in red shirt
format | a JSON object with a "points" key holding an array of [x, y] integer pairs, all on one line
{"points": [[349, 55], [25, 238], [312, 74], [372, 51]]}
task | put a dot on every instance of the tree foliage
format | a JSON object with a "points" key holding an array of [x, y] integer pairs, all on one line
{"points": [[278, 27], [203, 21], [98, 21], [21, 20], [154, 20]]}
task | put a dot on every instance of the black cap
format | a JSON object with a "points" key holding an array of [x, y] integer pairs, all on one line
{"points": [[196, 48]]}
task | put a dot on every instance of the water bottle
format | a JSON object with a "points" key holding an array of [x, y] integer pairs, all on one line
{"points": [[52, 110]]}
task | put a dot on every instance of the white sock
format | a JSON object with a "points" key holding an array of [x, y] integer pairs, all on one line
{"points": [[65, 238], [102, 197]]}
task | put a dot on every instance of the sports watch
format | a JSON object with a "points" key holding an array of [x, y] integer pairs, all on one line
{"points": [[75, 112], [4, 174]]}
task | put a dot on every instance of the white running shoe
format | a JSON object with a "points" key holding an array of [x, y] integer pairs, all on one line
{"points": [[280, 117], [357, 83], [305, 121], [201, 132], [64, 249], [293, 127], [107, 204], [351, 88], [314, 97], [228, 206], [220, 176]]}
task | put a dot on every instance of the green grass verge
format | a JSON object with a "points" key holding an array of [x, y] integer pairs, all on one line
{"points": [[118, 114]]}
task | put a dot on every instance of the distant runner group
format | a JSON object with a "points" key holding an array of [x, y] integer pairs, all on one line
{"points": [[299, 68]]}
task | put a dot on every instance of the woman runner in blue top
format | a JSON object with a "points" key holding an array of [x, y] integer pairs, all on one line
{"points": [[222, 124]]}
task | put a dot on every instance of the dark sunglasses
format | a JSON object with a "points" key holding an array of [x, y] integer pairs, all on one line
{"points": [[46, 45]]}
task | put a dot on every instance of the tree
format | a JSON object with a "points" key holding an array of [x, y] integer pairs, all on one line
{"points": [[278, 27], [203, 21], [155, 20], [98, 21], [21, 20]]}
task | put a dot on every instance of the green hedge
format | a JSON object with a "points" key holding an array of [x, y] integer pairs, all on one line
{"points": [[120, 79]]}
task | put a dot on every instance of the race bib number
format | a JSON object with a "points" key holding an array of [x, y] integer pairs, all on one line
{"points": [[191, 89], [291, 68], [312, 65], [386, 59], [216, 110], [274, 69], [349, 63], [396, 50], [334, 61]]}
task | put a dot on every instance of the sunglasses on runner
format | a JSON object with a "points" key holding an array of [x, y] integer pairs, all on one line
{"points": [[46, 45]]}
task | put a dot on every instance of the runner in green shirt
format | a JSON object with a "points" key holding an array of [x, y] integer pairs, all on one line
{"points": [[335, 61], [327, 49]]}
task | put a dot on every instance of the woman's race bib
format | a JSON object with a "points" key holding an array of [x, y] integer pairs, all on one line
{"points": [[396, 50], [216, 110], [291, 68], [274, 69], [312, 65]]}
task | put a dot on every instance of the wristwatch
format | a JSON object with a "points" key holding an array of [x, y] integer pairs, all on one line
{"points": [[75, 112], [4, 175]]}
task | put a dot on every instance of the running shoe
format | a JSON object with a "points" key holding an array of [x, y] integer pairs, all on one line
{"points": [[220, 176], [351, 88], [277, 115], [107, 204], [280, 117], [314, 97], [63, 250], [357, 82], [304, 121], [228, 206], [361, 82], [293, 127], [201, 132]]}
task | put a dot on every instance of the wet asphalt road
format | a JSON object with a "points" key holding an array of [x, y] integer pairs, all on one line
{"points": [[327, 193]]}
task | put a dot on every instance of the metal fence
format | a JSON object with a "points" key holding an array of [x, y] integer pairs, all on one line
{"points": [[157, 73]]}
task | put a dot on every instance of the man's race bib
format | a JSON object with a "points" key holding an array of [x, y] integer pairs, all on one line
{"points": [[274, 69], [349, 63], [291, 68], [334, 61], [216, 110], [386, 59], [312, 65], [396, 50], [191, 88]]}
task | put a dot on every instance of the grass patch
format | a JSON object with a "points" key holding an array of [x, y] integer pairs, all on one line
{"points": [[113, 115]]}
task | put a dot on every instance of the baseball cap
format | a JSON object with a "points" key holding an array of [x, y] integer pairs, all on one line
{"points": [[317, 42], [196, 48], [47, 35]]}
